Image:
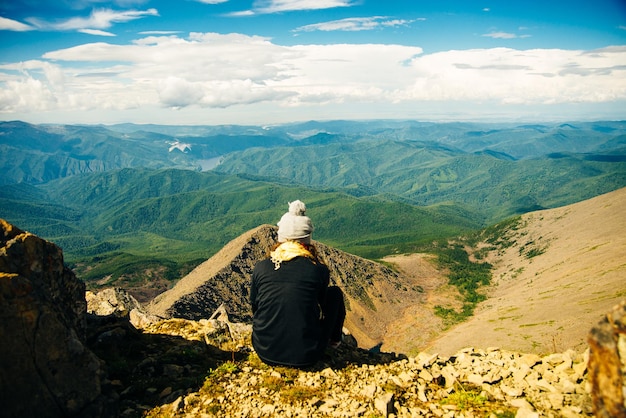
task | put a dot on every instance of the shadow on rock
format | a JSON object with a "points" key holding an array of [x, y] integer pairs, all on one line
{"points": [[147, 370]]}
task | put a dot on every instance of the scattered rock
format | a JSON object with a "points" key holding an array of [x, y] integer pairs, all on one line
{"points": [[112, 301], [350, 380]]}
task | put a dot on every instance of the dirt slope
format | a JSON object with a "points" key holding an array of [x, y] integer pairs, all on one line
{"points": [[566, 269]]}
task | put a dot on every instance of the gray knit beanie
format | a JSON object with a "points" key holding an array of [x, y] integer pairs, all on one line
{"points": [[295, 225]]}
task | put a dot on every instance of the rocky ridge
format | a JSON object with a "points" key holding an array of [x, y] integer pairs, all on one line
{"points": [[350, 381]]}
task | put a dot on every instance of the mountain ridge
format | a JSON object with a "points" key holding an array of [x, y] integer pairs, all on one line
{"points": [[382, 187], [38, 153], [374, 294]]}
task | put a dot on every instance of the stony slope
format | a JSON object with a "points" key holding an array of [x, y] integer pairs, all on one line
{"points": [[565, 268]]}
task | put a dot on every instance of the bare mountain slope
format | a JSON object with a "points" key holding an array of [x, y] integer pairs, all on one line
{"points": [[224, 278], [375, 294], [565, 269]]}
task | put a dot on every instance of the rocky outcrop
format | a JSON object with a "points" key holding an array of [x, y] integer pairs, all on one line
{"points": [[354, 382], [607, 364], [112, 301], [46, 371]]}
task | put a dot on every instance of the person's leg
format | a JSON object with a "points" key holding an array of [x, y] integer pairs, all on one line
{"points": [[334, 312]]}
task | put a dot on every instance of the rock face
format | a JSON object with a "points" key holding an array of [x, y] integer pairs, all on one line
{"points": [[375, 295], [224, 278], [607, 364], [46, 369]]}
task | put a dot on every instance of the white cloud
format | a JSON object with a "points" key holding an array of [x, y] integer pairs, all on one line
{"points": [[500, 35], [514, 76], [160, 32], [177, 92], [238, 72], [275, 6], [13, 25], [354, 24], [242, 13], [99, 19], [96, 32], [211, 1]]}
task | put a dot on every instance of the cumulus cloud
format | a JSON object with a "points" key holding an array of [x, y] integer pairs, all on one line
{"points": [[514, 76], [215, 71], [177, 92], [354, 24]]}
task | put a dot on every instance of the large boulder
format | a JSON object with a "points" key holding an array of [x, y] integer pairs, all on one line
{"points": [[607, 364], [46, 369]]}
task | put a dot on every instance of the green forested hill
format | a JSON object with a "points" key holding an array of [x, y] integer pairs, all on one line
{"points": [[39, 153], [426, 174], [125, 222], [117, 200]]}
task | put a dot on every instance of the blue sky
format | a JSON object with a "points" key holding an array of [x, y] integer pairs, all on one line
{"points": [[275, 61]]}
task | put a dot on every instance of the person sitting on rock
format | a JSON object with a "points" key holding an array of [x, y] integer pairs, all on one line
{"points": [[296, 314]]}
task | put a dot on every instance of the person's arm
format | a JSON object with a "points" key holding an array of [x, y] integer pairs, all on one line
{"points": [[253, 292], [325, 278]]}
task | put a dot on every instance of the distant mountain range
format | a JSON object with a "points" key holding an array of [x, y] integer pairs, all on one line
{"points": [[130, 200], [491, 183], [39, 153]]}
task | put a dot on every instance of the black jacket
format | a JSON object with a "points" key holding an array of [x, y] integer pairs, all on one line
{"points": [[286, 327]]}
